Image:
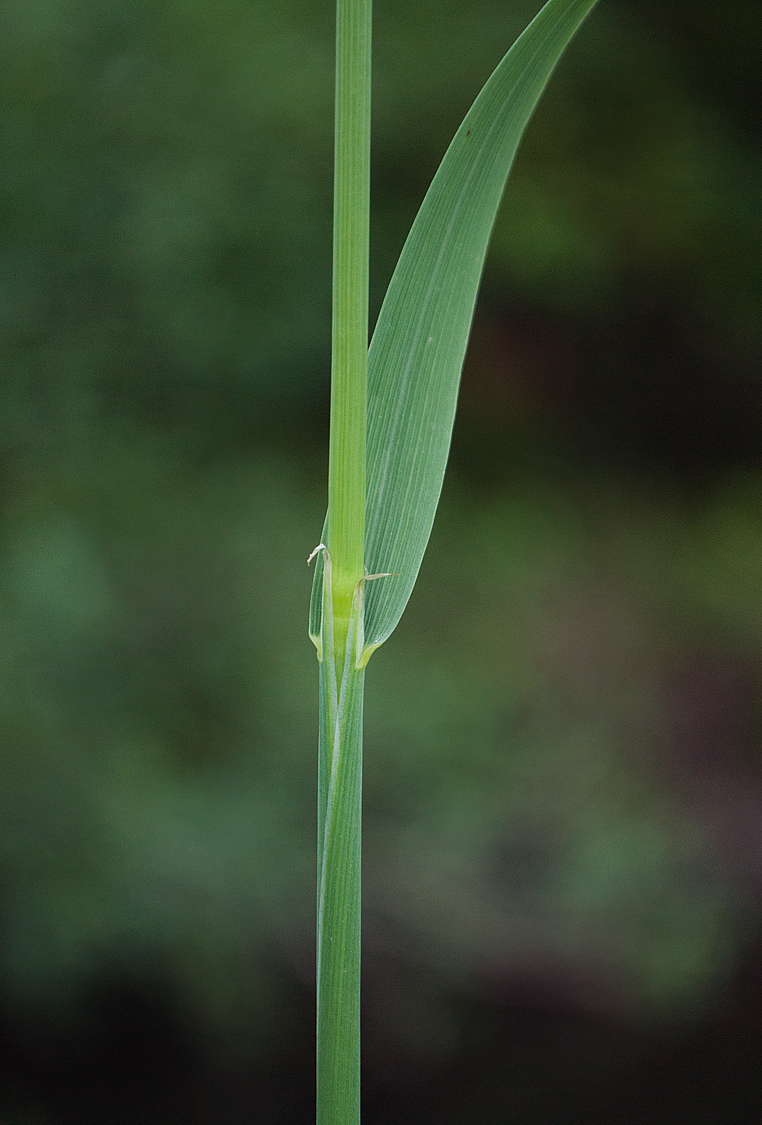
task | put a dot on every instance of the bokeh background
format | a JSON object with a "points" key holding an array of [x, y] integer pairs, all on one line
{"points": [[563, 842]]}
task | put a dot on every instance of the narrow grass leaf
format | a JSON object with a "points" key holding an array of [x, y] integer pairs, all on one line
{"points": [[417, 350]]}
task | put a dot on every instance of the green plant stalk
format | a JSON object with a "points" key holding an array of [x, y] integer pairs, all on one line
{"points": [[342, 564], [338, 921], [349, 366], [415, 364], [338, 1025]]}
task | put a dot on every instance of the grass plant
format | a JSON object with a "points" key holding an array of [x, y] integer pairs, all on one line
{"points": [[392, 413]]}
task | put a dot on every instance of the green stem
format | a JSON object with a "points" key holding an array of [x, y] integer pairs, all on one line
{"points": [[339, 841], [346, 471], [338, 951], [341, 630]]}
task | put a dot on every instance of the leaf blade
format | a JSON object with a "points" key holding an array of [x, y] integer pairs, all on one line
{"points": [[421, 336]]}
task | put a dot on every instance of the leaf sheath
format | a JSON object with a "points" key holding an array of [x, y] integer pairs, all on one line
{"points": [[339, 846]]}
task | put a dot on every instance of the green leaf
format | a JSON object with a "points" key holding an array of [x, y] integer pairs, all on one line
{"points": [[420, 339]]}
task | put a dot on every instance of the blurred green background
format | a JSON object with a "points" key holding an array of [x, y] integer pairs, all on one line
{"points": [[563, 842]]}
